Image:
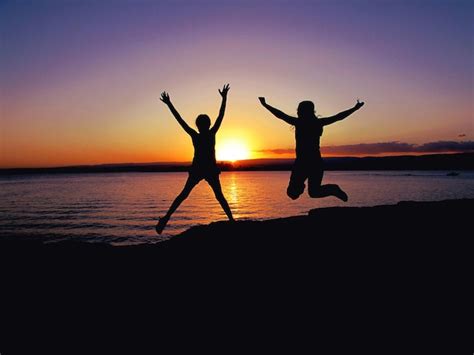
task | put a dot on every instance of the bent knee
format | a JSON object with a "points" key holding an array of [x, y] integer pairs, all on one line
{"points": [[314, 193], [314, 190], [293, 194]]}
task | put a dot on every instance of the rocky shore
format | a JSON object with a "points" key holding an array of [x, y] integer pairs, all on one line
{"points": [[384, 272]]}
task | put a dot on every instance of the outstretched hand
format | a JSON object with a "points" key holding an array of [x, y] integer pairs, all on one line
{"points": [[262, 100], [359, 104], [165, 97], [224, 90]]}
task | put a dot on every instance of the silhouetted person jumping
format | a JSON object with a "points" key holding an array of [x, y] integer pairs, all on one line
{"points": [[204, 164], [308, 163]]}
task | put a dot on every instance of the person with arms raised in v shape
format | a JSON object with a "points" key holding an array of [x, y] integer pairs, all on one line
{"points": [[204, 165]]}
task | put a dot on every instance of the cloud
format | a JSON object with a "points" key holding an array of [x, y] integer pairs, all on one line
{"points": [[446, 146], [368, 148], [387, 148], [276, 151]]}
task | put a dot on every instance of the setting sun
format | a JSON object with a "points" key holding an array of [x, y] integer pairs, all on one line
{"points": [[232, 150]]}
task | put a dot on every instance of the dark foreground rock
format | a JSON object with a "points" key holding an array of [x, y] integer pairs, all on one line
{"points": [[352, 276]]}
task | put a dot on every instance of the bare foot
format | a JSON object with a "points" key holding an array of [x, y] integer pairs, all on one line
{"points": [[161, 224], [340, 194]]}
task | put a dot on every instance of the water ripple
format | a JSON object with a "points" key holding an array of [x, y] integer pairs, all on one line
{"points": [[123, 209]]}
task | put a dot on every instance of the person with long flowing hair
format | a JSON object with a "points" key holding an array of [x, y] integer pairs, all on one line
{"points": [[309, 164]]}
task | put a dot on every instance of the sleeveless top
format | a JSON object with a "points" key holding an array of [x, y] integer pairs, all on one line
{"points": [[204, 160], [307, 136]]}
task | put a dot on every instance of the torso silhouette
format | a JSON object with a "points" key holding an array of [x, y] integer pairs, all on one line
{"points": [[307, 136], [204, 161]]}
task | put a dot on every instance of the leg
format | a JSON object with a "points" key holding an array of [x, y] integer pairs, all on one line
{"points": [[190, 183], [316, 190], [296, 185], [328, 190], [216, 187]]}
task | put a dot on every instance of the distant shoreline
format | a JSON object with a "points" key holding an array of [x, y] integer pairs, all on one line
{"points": [[462, 161]]}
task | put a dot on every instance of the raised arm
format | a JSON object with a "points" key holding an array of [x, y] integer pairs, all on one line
{"points": [[219, 118], [165, 97], [280, 114], [341, 115]]}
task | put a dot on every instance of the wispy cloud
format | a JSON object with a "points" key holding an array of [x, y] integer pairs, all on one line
{"points": [[386, 148], [277, 151]]}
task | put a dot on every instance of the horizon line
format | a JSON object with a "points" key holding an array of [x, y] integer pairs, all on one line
{"points": [[183, 163]]}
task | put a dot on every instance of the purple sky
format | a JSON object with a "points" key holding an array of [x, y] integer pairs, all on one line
{"points": [[79, 80]]}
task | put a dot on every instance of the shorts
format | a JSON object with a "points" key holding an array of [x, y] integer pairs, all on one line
{"points": [[302, 170], [197, 174]]}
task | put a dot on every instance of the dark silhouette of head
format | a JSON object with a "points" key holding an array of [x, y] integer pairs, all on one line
{"points": [[306, 110], [203, 122]]}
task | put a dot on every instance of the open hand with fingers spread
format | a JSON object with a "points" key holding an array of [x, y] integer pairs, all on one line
{"points": [[262, 100], [224, 90], [359, 104], [165, 97]]}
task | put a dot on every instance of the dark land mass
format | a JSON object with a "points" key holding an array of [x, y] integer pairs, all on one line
{"points": [[463, 161], [371, 278]]}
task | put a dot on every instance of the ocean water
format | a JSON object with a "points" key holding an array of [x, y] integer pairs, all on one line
{"points": [[122, 208]]}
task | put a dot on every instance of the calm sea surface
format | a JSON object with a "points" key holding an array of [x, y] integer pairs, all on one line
{"points": [[123, 208]]}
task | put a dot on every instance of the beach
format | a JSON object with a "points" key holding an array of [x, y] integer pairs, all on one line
{"points": [[122, 208], [323, 227], [399, 268]]}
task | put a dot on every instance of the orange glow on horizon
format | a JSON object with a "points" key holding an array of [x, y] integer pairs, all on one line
{"points": [[232, 150]]}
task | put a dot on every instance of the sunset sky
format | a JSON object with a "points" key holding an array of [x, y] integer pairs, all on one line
{"points": [[80, 80]]}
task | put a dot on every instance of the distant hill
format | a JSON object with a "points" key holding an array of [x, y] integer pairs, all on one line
{"points": [[463, 161]]}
